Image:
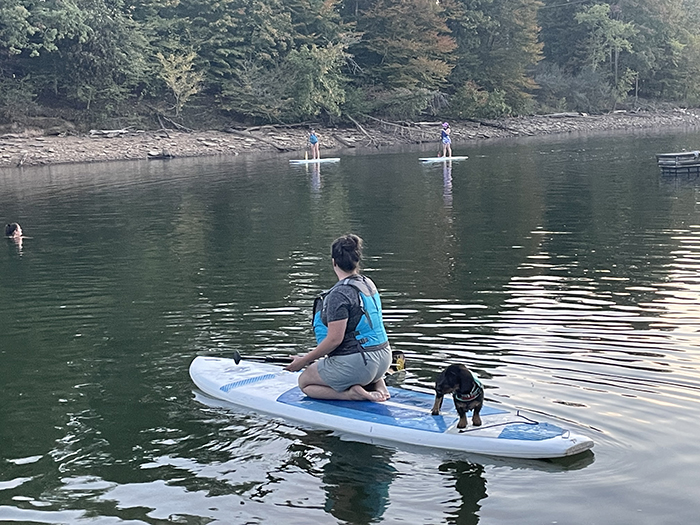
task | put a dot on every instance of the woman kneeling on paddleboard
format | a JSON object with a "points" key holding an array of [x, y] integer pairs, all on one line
{"points": [[350, 334]]}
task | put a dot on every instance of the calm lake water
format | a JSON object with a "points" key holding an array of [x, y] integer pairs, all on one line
{"points": [[565, 271]]}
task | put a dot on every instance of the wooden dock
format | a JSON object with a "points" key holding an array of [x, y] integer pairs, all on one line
{"points": [[684, 162]]}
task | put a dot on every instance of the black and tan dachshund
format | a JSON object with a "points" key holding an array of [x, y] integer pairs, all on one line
{"points": [[467, 393]]}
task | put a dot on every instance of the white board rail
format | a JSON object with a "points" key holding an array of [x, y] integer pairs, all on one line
{"points": [[443, 159], [405, 418], [314, 161]]}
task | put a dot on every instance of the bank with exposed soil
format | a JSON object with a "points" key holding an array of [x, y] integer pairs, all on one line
{"points": [[36, 147]]}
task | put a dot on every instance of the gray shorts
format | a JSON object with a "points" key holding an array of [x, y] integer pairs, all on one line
{"points": [[343, 371]]}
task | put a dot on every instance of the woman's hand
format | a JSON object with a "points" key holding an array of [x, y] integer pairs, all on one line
{"points": [[336, 330], [298, 362]]}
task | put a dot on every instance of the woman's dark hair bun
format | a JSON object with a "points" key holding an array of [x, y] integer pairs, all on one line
{"points": [[347, 252]]}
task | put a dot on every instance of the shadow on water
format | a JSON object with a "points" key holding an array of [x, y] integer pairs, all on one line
{"points": [[356, 478], [356, 475], [470, 483]]}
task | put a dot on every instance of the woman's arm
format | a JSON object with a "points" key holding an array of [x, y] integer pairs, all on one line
{"points": [[336, 333]]}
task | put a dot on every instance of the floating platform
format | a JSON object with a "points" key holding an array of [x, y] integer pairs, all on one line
{"points": [[684, 162]]}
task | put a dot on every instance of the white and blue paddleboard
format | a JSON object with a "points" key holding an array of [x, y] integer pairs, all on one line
{"points": [[441, 159], [314, 161], [405, 418]]}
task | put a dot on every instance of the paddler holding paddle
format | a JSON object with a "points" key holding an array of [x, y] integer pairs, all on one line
{"points": [[352, 353], [446, 140], [313, 142]]}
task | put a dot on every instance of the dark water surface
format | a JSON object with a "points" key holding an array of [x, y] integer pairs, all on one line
{"points": [[565, 271]]}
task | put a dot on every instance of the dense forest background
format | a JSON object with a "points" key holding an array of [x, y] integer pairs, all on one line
{"points": [[202, 62]]}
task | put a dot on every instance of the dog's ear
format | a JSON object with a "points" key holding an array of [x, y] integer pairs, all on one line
{"points": [[440, 382], [466, 381]]}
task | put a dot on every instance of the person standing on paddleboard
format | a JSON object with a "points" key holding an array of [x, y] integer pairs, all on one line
{"points": [[313, 141], [446, 141], [352, 353]]}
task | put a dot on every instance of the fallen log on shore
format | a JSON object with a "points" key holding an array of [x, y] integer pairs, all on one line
{"points": [[264, 140], [344, 142]]}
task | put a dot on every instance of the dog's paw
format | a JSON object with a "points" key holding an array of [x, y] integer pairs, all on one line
{"points": [[435, 412], [476, 421]]}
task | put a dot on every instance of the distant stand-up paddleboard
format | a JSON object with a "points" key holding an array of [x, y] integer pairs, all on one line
{"points": [[441, 159], [406, 418], [314, 161]]}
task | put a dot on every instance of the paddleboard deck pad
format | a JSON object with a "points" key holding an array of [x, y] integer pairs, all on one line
{"points": [[405, 418], [314, 161], [441, 159]]}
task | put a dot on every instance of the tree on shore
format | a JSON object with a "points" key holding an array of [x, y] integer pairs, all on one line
{"points": [[100, 61], [87, 54], [179, 75], [404, 56], [498, 50], [630, 48]]}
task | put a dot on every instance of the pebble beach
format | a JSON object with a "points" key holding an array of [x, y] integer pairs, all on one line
{"points": [[36, 147]]}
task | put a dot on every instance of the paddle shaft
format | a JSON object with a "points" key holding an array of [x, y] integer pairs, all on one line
{"points": [[261, 359], [398, 360]]}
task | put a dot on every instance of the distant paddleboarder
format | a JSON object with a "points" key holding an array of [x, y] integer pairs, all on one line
{"points": [[313, 141], [446, 141]]}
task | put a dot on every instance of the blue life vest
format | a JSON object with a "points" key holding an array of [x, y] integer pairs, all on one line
{"points": [[369, 332]]}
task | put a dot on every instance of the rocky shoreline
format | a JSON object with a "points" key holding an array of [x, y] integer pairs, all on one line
{"points": [[33, 147]]}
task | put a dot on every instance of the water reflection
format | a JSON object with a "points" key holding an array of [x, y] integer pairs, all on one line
{"points": [[470, 484], [447, 184], [356, 480], [17, 243], [316, 182], [569, 281]]}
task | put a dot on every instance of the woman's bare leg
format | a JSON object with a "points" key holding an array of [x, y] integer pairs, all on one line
{"points": [[312, 385]]}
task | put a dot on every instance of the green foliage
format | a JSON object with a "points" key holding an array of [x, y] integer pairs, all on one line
{"points": [[85, 52], [687, 88], [606, 36], [654, 39], [501, 51], [262, 59], [469, 101], [625, 81], [291, 60], [399, 103], [315, 82], [15, 27], [588, 91], [179, 75], [665, 47], [405, 44], [563, 37], [17, 99], [308, 82], [256, 92]]}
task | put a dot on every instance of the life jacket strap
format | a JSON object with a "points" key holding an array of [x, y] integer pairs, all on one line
{"points": [[475, 392]]}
